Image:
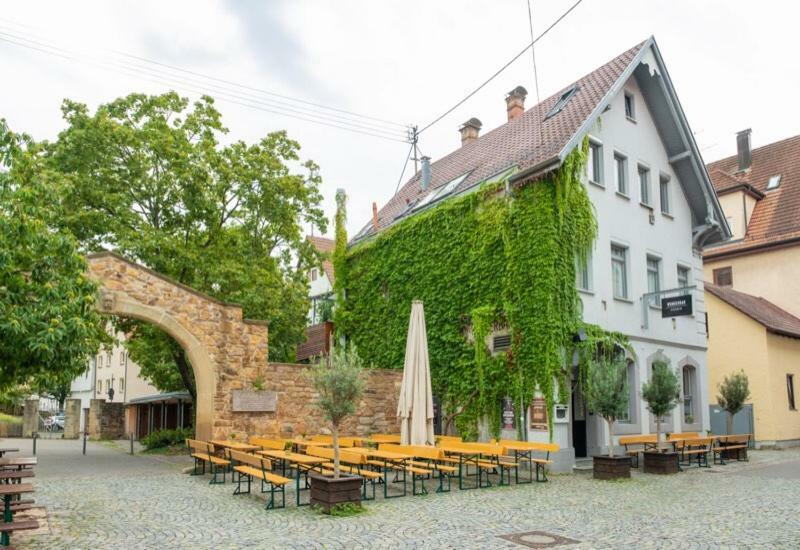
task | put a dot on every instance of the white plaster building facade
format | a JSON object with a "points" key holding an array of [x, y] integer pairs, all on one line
{"points": [[110, 369], [320, 282], [655, 208]]}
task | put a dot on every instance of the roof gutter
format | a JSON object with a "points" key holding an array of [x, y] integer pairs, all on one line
{"points": [[536, 170]]}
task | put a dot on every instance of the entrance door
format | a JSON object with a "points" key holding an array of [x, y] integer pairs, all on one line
{"points": [[578, 423]]}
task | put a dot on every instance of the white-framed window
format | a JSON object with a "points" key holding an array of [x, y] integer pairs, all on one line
{"points": [[774, 182], [314, 274], [619, 271], [654, 278], [595, 162], [630, 106], [122, 384], [689, 376], [644, 184], [663, 191], [99, 361], [99, 386], [630, 415], [684, 276], [621, 173], [583, 273]]}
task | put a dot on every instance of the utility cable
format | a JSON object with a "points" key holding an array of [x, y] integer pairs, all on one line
{"points": [[503, 68]]}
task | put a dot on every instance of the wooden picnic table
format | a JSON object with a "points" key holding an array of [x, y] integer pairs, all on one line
{"points": [[235, 445], [299, 444], [4, 450], [298, 460], [383, 438], [8, 491], [18, 462], [470, 453], [388, 458], [8, 476]]}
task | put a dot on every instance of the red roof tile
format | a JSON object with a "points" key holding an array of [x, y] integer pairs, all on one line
{"points": [[325, 246], [772, 317], [524, 142], [776, 217]]}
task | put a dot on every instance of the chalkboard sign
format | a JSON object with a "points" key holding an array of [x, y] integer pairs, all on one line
{"points": [[676, 306]]}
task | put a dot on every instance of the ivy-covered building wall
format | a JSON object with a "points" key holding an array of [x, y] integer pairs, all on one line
{"points": [[491, 256]]}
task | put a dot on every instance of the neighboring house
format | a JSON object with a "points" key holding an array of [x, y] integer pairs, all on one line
{"points": [[111, 369], [750, 334], [320, 281], [759, 190], [655, 207]]}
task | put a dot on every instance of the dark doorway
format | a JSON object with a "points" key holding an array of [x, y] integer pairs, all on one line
{"points": [[578, 423]]}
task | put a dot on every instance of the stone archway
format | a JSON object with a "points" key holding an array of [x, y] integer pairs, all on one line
{"points": [[226, 351]]}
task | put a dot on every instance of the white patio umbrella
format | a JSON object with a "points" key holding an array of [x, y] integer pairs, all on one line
{"points": [[415, 407]]}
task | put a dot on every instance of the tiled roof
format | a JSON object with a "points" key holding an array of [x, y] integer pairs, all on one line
{"points": [[776, 217], [775, 319], [524, 142], [325, 246]]}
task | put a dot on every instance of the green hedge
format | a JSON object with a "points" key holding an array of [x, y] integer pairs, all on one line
{"points": [[166, 438]]}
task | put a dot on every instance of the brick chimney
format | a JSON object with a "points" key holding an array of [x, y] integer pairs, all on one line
{"points": [[375, 216], [470, 130], [743, 151], [515, 102]]}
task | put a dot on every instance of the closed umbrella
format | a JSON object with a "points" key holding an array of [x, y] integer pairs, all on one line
{"points": [[415, 407]]}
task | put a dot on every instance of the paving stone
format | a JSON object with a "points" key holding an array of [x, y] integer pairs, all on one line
{"points": [[159, 507]]}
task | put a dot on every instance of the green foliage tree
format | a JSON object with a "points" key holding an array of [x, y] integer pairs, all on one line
{"points": [[607, 393], [339, 381], [149, 178], [48, 322], [662, 394], [340, 260], [734, 390]]}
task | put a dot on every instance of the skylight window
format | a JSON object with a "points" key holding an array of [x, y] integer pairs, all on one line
{"points": [[441, 192], [774, 182], [562, 101]]}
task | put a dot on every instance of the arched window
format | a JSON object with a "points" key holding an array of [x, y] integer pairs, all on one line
{"points": [[689, 391]]}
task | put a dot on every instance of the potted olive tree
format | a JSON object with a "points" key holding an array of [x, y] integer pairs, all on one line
{"points": [[607, 396], [662, 394], [338, 380], [734, 390]]}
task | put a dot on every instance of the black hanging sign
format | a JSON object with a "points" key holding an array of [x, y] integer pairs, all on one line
{"points": [[676, 306]]}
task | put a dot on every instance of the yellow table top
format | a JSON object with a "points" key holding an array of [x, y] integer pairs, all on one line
{"points": [[293, 457], [235, 445]]}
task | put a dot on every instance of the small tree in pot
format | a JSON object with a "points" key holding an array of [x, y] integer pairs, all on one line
{"points": [[607, 396], [662, 394], [338, 379], [733, 392]]}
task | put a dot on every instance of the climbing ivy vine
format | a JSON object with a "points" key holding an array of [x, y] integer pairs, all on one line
{"points": [[490, 257]]}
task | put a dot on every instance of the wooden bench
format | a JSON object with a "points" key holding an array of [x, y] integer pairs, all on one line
{"points": [[9, 491], [268, 443], [694, 448], [680, 436], [427, 458], [328, 440], [257, 467], [349, 462], [725, 445], [635, 444], [203, 452]]}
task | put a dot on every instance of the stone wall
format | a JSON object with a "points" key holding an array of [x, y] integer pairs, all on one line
{"points": [[106, 420], [226, 351], [72, 419], [296, 414], [30, 417]]}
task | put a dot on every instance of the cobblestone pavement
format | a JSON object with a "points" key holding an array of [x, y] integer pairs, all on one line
{"points": [[156, 506]]}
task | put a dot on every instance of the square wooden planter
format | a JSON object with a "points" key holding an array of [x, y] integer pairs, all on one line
{"points": [[606, 467], [327, 492], [660, 463]]}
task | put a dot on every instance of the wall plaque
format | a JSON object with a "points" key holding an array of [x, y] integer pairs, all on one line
{"points": [[509, 421], [539, 415], [254, 401]]}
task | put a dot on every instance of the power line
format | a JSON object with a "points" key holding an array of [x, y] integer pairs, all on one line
{"points": [[338, 118], [402, 173], [535, 72], [503, 68]]}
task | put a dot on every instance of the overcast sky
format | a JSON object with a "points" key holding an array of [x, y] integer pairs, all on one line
{"points": [[734, 64]]}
